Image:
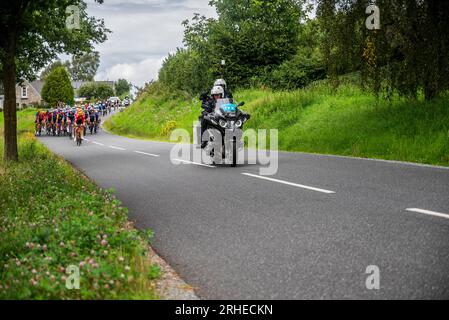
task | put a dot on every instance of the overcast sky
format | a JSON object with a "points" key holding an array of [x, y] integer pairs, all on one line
{"points": [[143, 33]]}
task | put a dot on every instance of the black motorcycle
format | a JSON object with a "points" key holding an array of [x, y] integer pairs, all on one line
{"points": [[227, 121]]}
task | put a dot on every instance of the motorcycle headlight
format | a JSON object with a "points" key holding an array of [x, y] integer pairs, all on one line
{"points": [[223, 124], [238, 123]]}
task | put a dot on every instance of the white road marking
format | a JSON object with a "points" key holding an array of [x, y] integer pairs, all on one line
{"points": [[98, 143], [117, 148], [147, 154], [430, 213], [289, 183], [196, 163], [86, 139]]}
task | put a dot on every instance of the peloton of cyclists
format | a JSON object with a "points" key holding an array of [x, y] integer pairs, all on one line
{"points": [[64, 119]]}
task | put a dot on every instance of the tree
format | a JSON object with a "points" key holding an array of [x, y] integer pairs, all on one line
{"points": [[407, 55], [103, 91], [253, 36], [122, 87], [87, 90], [53, 66], [95, 90], [58, 87], [185, 71], [83, 67], [33, 33]]}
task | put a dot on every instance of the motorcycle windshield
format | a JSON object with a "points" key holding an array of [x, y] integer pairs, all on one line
{"points": [[226, 105]]}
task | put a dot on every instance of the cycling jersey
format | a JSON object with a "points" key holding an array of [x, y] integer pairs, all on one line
{"points": [[40, 116], [79, 119], [71, 116], [60, 117]]}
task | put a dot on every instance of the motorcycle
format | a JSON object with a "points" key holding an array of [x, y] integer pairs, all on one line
{"points": [[226, 121]]}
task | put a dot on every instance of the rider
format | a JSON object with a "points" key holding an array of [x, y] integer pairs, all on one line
{"points": [[126, 102], [71, 119], [60, 118], [208, 105], [80, 119], [216, 93], [92, 118], [71, 115], [221, 83], [40, 117], [48, 118], [54, 116]]}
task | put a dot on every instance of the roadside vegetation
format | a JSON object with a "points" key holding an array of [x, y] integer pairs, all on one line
{"points": [[347, 121], [52, 217], [330, 84]]}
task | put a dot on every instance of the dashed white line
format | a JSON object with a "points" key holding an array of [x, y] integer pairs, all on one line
{"points": [[196, 163], [428, 212], [117, 148], [98, 143], [289, 183], [147, 154]]}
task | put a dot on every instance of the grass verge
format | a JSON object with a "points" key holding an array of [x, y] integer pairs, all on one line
{"points": [[316, 119], [52, 217]]}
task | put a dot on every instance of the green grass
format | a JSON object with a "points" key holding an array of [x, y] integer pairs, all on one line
{"points": [[347, 122], [52, 217]]}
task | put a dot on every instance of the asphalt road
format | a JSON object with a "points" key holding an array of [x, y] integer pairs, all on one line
{"points": [[232, 235]]}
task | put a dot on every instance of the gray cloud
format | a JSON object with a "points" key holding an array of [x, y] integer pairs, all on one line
{"points": [[144, 32]]}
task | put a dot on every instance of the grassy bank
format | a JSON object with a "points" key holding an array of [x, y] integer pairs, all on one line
{"points": [[346, 122], [51, 217]]}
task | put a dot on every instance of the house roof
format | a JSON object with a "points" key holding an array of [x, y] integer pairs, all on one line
{"points": [[39, 84], [77, 84]]}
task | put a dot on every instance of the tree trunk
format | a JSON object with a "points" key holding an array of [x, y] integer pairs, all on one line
{"points": [[9, 108]]}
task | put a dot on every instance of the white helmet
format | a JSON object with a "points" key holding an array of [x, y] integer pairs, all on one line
{"points": [[220, 82], [217, 90]]}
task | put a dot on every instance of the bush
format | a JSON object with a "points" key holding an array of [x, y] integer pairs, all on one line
{"points": [[58, 87], [122, 87], [297, 73], [95, 90]]}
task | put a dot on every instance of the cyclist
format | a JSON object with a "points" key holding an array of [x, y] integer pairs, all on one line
{"points": [[48, 118], [80, 120], [91, 119], [60, 119], [40, 118], [71, 120]]}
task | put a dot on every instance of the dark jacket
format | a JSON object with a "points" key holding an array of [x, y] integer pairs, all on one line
{"points": [[208, 105]]}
